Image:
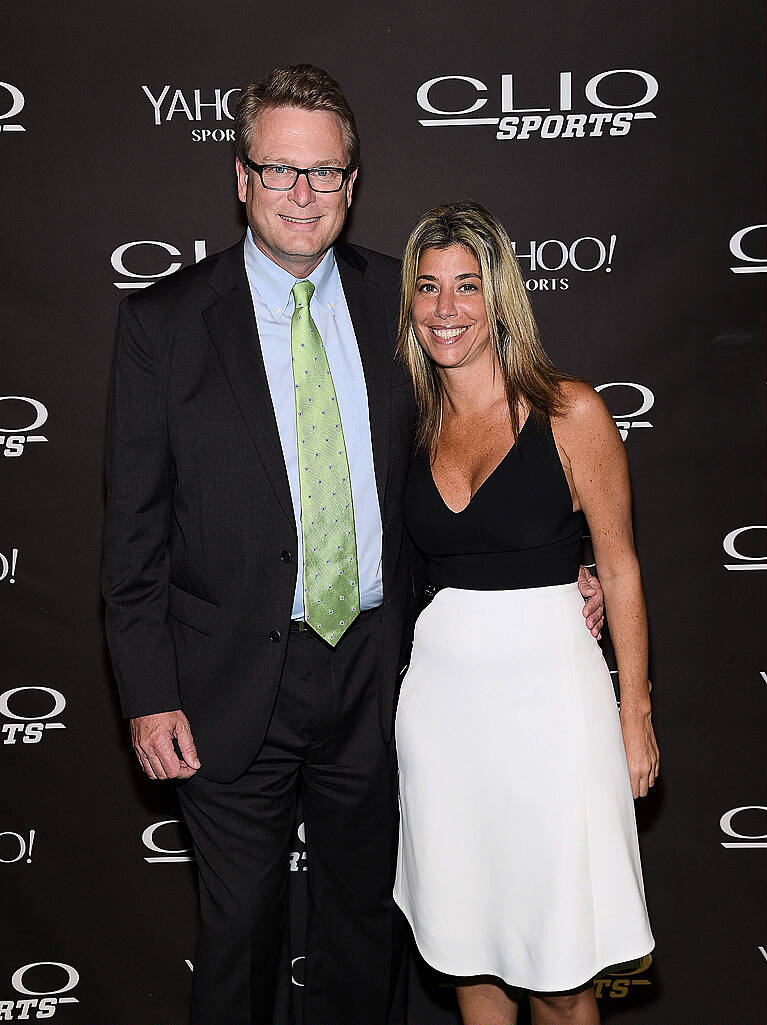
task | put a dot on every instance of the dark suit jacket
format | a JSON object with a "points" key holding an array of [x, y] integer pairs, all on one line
{"points": [[200, 536]]}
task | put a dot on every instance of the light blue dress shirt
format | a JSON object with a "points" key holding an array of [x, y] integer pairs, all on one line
{"points": [[271, 290]]}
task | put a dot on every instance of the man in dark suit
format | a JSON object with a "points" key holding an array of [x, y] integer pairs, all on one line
{"points": [[228, 556]]}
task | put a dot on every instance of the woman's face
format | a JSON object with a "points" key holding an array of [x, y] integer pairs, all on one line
{"points": [[449, 315]]}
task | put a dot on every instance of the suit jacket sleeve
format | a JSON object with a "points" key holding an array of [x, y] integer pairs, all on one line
{"points": [[139, 477]]}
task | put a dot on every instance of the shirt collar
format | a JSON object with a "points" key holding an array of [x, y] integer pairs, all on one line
{"points": [[274, 285]]}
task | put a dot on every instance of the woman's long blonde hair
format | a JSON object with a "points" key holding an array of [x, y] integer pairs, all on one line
{"points": [[528, 373]]}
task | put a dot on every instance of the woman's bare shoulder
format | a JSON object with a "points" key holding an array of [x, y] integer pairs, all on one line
{"points": [[583, 412]]}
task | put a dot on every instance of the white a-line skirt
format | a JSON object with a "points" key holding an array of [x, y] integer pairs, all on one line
{"points": [[518, 853]]}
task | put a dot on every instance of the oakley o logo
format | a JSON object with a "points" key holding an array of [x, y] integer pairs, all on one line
{"points": [[59, 704], [16, 107], [627, 421], [40, 417], [747, 562], [166, 855], [748, 841], [17, 980], [751, 264]]}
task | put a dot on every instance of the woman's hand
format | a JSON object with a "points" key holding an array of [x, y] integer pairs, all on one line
{"points": [[641, 747]]}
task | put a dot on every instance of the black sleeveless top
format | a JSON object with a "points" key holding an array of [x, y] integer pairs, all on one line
{"points": [[519, 529]]}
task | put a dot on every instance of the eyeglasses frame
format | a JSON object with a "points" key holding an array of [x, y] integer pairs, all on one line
{"points": [[260, 168]]}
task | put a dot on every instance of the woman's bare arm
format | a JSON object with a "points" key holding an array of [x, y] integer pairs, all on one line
{"points": [[595, 457]]}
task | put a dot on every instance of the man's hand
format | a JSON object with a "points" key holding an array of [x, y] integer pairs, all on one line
{"points": [[594, 609], [152, 737]]}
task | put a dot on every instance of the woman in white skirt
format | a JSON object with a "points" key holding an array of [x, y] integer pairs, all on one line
{"points": [[518, 860]]}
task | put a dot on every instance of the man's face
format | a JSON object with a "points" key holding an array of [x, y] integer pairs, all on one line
{"points": [[295, 228]]}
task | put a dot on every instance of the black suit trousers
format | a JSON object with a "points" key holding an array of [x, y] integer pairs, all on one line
{"points": [[324, 736]]}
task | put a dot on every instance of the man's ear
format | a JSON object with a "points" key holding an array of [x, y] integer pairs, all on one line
{"points": [[242, 179], [350, 186]]}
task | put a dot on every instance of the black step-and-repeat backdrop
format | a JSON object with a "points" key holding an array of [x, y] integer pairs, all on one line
{"points": [[622, 145]]}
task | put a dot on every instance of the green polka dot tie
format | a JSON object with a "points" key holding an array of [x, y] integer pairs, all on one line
{"points": [[331, 582]]}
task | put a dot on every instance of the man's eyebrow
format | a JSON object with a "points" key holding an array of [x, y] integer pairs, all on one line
{"points": [[284, 162]]}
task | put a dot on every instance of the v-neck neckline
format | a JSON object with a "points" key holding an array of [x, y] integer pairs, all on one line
{"points": [[498, 465]]}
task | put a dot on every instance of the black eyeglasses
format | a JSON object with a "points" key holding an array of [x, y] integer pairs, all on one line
{"points": [[282, 177]]}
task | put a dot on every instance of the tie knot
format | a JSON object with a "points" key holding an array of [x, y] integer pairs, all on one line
{"points": [[302, 293]]}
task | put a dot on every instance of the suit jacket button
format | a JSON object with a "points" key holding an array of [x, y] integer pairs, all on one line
{"points": [[274, 636], [285, 555]]}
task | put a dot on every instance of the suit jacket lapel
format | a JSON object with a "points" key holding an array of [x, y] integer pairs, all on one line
{"points": [[369, 317], [231, 324]]}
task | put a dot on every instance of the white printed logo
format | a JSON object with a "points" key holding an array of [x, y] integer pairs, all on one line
{"points": [[166, 855], [600, 118], [148, 260], [628, 421], [168, 104], [742, 841], [298, 858], [297, 968], [13, 439], [29, 729], [585, 255], [19, 845], [749, 264], [745, 562], [42, 987], [16, 107], [8, 564]]}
